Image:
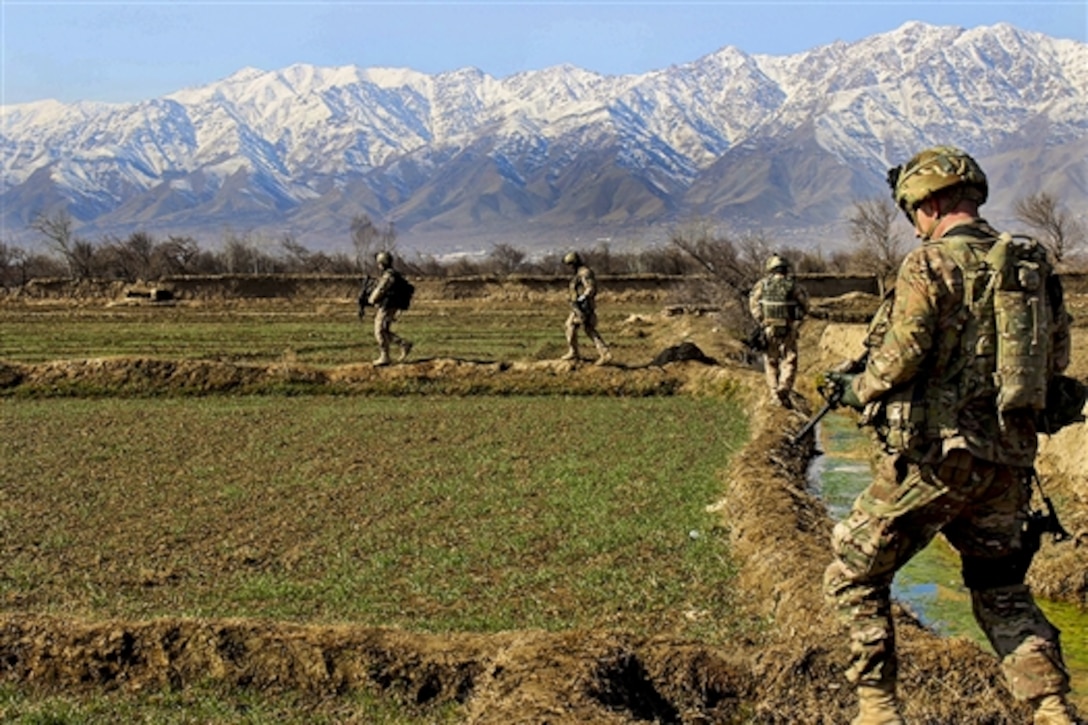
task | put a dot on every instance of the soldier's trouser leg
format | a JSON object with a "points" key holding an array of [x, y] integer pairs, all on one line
{"points": [[571, 329], [593, 334], [981, 508], [894, 518], [787, 372], [772, 357], [995, 561], [1027, 643], [383, 333]]}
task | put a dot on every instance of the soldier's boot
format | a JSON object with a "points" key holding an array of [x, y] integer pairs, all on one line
{"points": [[383, 357], [572, 353], [604, 355], [1052, 710], [405, 348], [877, 706]]}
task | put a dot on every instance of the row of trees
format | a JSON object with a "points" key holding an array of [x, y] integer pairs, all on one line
{"points": [[878, 242]]}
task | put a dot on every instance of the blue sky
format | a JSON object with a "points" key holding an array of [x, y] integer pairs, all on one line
{"points": [[111, 50]]}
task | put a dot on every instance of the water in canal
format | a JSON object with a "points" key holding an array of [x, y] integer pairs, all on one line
{"points": [[930, 583]]}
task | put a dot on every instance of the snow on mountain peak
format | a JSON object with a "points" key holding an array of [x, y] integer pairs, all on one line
{"points": [[304, 130]]}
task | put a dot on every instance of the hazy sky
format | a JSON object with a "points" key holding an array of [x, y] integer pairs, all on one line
{"points": [[119, 50]]}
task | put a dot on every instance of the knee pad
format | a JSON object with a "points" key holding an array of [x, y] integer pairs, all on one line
{"points": [[984, 573]]}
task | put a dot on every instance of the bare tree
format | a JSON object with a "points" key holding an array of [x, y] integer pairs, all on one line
{"points": [[368, 239], [59, 233], [17, 266], [12, 260], [880, 246], [299, 258], [128, 259], [505, 258], [718, 255], [177, 255], [1058, 230]]}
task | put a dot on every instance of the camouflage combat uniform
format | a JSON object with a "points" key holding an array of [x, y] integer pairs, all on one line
{"points": [[961, 471], [781, 322], [583, 290], [385, 316]]}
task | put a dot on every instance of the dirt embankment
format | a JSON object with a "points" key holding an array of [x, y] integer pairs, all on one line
{"points": [[222, 287]]}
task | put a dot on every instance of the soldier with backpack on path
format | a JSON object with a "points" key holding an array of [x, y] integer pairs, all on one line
{"points": [[390, 295], [954, 390], [779, 304]]}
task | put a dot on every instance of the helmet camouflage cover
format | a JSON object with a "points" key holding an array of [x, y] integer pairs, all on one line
{"points": [[572, 258], [775, 262], [384, 259], [934, 170]]}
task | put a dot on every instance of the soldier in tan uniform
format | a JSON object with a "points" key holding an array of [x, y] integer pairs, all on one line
{"points": [[779, 304], [386, 311], [952, 461], [583, 302]]}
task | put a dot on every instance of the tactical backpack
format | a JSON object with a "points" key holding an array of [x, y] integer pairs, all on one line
{"points": [[1004, 348], [778, 303], [1007, 349], [399, 296]]}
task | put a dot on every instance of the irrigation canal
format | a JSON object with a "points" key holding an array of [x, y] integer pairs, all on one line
{"points": [[930, 583]]}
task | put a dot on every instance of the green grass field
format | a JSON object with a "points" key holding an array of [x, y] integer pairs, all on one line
{"points": [[443, 514], [309, 332], [431, 513]]}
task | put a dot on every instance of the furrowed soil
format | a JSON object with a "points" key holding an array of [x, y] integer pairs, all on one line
{"points": [[778, 531]]}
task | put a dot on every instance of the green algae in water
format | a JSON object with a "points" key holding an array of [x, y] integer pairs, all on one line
{"points": [[930, 584]]}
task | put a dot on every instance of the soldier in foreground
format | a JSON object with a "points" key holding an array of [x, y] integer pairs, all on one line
{"points": [[779, 304], [583, 302], [390, 295], [954, 406]]}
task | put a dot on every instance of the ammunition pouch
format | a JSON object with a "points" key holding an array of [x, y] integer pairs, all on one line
{"points": [[778, 314], [898, 419], [775, 329]]}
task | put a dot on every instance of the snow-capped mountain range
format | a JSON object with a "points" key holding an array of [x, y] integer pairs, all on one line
{"points": [[560, 156]]}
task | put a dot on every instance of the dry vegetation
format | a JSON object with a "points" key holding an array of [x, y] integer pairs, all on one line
{"points": [[787, 669]]}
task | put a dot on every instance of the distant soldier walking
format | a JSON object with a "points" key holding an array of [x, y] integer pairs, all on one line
{"points": [[583, 302], [953, 396], [390, 295], [779, 303]]}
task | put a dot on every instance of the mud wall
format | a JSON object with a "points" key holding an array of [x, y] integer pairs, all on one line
{"points": [[514, 287], [1075, 283]]}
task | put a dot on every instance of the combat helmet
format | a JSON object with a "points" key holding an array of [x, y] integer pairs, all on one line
{"points": [[776, 263], [384, 260], [933, 170], [572, 258]]}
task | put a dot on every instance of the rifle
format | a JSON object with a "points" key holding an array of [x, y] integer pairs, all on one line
{"points": [[581, 305], [832, 392], [364, 294], [757, 339], [1040, 523]]}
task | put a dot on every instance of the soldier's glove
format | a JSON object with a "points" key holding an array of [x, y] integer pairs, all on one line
{"points": [[842, 386]]}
